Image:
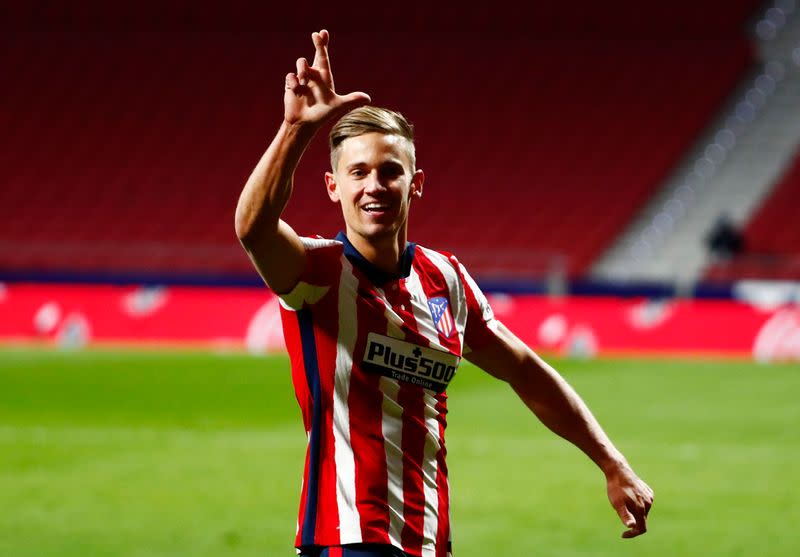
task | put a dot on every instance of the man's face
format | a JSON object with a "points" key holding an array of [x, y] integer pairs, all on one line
{"points": [[374, 182]]}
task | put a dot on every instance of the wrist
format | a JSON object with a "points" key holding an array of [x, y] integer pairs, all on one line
{"points": [[299, 128], [612, 465], [296, 136]]}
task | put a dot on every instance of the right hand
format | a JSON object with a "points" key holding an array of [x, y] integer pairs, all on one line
{"points": [[631, 498], [310, 97]]}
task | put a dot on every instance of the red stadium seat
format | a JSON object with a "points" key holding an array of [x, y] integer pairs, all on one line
{"points": [[772, 237], [116, 140]]}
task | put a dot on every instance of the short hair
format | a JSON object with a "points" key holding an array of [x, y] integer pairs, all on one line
{"points": [[370, 119]]}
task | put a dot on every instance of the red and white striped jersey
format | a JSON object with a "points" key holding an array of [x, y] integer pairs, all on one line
{"points": [[371, 358]]}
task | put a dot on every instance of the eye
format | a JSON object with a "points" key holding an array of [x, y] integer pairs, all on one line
{"points": [[392, 170], [358, 173]]}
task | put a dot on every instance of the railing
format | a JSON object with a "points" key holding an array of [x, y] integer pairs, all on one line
{"points": [[771, 266], [115, 256], [519, 266]]}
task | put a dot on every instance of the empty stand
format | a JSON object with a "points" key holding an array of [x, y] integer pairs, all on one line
{"points": [[774, 228], [730, 171], [127, 151], [772, 237]]}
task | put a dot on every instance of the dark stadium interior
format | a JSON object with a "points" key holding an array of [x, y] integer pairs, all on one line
{"points": [[128, 137]]}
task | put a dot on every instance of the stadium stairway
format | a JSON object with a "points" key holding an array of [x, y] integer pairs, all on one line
{"points": [[771, 238], [732, 169]]}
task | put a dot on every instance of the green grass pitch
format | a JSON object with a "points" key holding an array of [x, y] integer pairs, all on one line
{"points": [[151, 454]]}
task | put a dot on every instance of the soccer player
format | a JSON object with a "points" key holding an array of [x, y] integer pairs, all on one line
{"points": [[376, 327]]}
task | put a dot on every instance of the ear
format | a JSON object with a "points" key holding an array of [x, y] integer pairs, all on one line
{"points": [[330, 186], [417, 181]]}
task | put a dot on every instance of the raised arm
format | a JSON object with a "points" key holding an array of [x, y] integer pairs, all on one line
{"points": [[309, 101], [560, 408]]}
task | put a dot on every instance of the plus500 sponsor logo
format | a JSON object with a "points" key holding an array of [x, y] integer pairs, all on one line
{"points": [[401, 356]]}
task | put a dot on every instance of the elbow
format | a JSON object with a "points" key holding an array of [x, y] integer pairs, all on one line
{"points": [[252, 221], [252, 229], [243, 227], [246, 225]]}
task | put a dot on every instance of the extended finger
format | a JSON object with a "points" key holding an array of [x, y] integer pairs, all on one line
{"points": [[302, 71], [291, 81], [321, 60]]}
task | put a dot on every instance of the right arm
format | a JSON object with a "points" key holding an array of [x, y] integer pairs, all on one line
{"points": [[309, 101], [273, 247]]}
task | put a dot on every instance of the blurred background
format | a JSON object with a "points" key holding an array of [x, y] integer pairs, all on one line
{"points": [[619, 149], [623, 179]]}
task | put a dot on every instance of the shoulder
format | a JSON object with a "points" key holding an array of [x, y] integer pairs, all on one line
{"points": [[445, 260], [456, 269], [438, 257], [323, 264], [312, 243], [324, 251], [323, 259]]}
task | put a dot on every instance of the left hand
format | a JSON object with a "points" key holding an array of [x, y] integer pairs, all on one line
{"points": [[631, 497]]}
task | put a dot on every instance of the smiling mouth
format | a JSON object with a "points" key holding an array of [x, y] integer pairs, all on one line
{"points": [[375, 207]]}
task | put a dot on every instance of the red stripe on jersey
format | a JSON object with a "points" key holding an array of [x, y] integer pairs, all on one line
{"points": [[477, 334], [365, 403], [442, 485], [435, 285], [326, 313], [414, 432], [322, 264], [303, 499], [291, 332]]}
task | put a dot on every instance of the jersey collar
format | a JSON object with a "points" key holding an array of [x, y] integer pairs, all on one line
{"points": [[376, 275]]}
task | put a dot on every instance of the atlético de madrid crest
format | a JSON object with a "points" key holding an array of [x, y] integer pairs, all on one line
{"points": [[442, 317]]}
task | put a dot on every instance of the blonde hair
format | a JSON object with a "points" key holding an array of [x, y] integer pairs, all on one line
{"points": [[370, 119]]}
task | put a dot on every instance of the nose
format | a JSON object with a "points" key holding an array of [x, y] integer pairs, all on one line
{"points": [[373, 183]]}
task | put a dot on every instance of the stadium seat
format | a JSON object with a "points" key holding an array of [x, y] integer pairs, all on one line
{"points": [[115, 141]]}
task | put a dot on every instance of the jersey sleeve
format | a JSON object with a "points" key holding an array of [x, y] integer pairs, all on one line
{"points": [[322, 269], [481, 323]]}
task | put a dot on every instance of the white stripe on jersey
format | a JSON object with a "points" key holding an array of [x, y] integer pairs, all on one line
{"points": [[392, 428], [349, 519], [420, 310], [429, 473]]}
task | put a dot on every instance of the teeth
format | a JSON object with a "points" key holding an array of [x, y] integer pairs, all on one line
{"points": [[374, 207]]}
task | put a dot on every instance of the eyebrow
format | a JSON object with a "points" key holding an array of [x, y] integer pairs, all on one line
{"points": [[391, 161]]}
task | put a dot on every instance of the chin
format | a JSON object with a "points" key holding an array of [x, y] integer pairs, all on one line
{"points": [[376, 231]]}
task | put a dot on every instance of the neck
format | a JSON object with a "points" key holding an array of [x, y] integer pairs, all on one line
{"points": [[383, 252]]}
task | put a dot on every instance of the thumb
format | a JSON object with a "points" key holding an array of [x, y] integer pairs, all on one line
{"points": [[354, 100]]}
